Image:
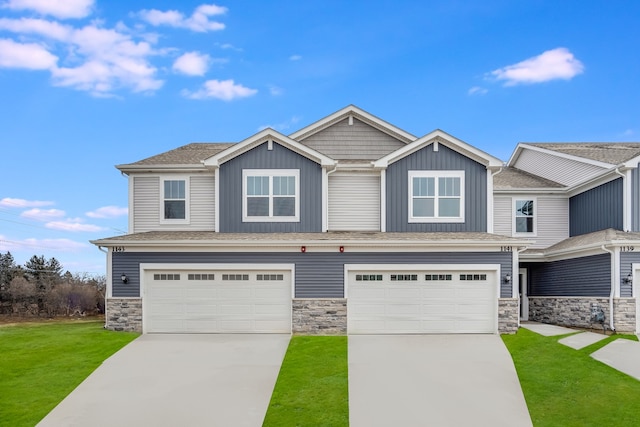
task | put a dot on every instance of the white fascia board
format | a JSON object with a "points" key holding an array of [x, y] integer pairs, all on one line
{"points": [[445, 139], [533, 191], [127, 169], [563, 155], [631, 163], [262, 137], [608, 176], [352, 110], [515, 155]]}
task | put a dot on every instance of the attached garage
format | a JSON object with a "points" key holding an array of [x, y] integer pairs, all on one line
{"points": [[209, 299], [406, 299]]}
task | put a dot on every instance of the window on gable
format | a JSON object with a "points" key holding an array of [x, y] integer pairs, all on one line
{"points": [[436, 196], [271, 195], [175, 199], [524, 216]]}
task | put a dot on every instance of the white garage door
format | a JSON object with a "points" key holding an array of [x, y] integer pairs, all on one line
{"points": [[217, 301], [419, 301]]}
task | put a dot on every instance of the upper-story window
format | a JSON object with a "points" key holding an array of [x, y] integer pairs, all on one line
{"points": [[436, 196], [524, 216], [174, 200], [271, 195]]}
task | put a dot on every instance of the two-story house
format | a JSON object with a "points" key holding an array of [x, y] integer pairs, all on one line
{"points": [[580, 205], [349, 225], [352, 225]]}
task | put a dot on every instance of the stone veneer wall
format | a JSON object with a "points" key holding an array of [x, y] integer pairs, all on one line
{"points": [[320, 316], [508, 315], [576, 311], [124, 314]]}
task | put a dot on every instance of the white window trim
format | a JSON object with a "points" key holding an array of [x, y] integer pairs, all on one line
{"points": [[187, 199], [534, 233], [436, 174], [270, 173]]}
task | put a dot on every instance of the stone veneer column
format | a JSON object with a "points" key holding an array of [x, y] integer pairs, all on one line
{"points": [[508, 315], [319, 316], [124, 314]]}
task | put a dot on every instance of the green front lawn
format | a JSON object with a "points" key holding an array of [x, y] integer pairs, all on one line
{"points": [[40, 364], [312, 387], [566, 387]]}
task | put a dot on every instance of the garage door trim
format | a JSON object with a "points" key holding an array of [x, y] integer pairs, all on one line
{"points": [[144, 267]]}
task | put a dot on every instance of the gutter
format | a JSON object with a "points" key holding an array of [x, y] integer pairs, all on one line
{"points": [[611, 322]]}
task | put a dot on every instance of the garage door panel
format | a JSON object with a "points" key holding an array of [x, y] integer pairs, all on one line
{"points": [[237, 303], [431, 302]]}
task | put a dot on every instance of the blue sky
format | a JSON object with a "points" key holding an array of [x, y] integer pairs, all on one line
{"points": [[88, 84]]}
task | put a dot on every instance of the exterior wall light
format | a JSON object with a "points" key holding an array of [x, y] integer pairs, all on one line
{"points": [[124, 278], [507, 278], [303, 249], [341, 249], [629, 278]]}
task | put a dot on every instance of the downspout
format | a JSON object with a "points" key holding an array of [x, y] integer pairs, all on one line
{"points": [[325, 197], [615, 278]]}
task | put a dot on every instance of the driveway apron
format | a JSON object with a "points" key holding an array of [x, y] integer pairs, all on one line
{"points": [[433, 380], [178, 380]]}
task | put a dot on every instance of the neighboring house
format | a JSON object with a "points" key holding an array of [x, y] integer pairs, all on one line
{"points": [[580, 204], [352, 225]]}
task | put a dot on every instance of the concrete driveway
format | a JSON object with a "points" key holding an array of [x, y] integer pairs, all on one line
{"points": [[433, 380], [178, 380]]}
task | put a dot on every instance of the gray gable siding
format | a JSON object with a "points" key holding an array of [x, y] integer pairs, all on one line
{"points": [[261, 158], [587, 276], [358, 141], [597, 209], [635, 200], [317, 275], [444, 159]]}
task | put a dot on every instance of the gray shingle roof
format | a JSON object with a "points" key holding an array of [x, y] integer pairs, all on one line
{"points": [[190, 154], [613, 153], [512, 178], [334, 236]]}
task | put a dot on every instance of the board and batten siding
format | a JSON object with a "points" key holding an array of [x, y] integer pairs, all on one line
{"points": [[475, 190], [358, 141], [579, 277], [317, 274], [597, 209], [354, 201], [559, 169], [261, 157], [147, 204]]}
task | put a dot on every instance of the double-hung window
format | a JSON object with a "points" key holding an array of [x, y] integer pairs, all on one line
{"points": [[175, 200], [436, 196], [524, 216], [271, 195]]}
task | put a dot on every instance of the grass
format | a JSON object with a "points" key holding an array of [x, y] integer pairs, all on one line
{"points": [[40, 364], [566, 387], [312, 387]]}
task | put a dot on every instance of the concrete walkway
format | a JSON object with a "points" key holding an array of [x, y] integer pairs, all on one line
{"points": [[178, 380], [433, 380], [621, 354]]}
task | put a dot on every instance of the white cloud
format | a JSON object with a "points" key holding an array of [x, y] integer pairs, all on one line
{"points": [[28, 55], [225, 90], [192, 64], [477, 90], [72, 224], [275, 90], [62, 245], [553, 64], [42, 27], [59, 8], [283, 125], [9, 202], [108, 212], [42, 214], [198, 21], [295, 58]]}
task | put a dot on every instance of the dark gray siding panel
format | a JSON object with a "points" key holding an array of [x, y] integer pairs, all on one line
{"points": [[317, 275], [444, 159], [596, 209], [587, 276], [635, 200], [279, 158], [626, 259]]}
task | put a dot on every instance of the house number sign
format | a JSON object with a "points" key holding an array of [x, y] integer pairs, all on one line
{"points": [[118, 249], [627, 248]]}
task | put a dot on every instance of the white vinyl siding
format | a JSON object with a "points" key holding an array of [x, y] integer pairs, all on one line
{"points": [[354, 202], [502, 216], [559, 169], [148, 208]]}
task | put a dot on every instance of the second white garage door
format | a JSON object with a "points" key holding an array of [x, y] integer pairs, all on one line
{"points": [[217, 301], [422, 301]]}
